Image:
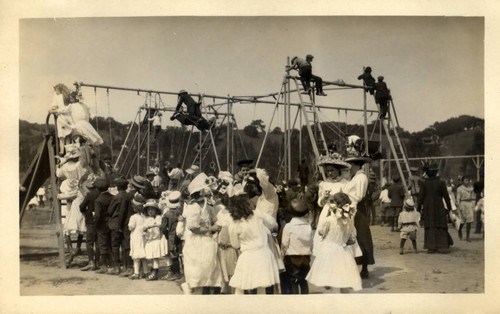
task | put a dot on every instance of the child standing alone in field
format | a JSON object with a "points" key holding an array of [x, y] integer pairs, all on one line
{"points": [[408, 223]]}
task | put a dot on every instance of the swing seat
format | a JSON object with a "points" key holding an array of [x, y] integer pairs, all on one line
{"points": [[200, 122]]}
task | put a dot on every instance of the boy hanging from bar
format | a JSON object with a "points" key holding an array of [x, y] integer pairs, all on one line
{"points": [[193, 111]]}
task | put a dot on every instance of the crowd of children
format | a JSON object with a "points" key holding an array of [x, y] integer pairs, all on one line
{"points": [[226, 234]]}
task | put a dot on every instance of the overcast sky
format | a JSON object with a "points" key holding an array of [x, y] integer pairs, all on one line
{"points": [[434, 66]]}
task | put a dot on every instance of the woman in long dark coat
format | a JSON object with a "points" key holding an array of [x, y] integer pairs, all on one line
{"points": [[432, 193]]}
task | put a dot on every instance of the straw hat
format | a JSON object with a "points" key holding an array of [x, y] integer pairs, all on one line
{"points": [[409, 203], [173, 200], [138, 182], [151, 203], [138, 199], [334, 159]]}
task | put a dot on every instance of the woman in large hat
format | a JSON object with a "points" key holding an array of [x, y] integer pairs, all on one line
{"points": [[201, 265], [333, 166], [356, 190]]}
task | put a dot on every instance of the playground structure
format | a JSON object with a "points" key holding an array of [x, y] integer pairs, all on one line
{"points": [[138, 142], [307, 114]]}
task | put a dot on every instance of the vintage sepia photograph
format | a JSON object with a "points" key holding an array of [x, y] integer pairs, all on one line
{"points": [[223, 156]]}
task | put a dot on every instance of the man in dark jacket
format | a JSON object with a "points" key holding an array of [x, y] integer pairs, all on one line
{"points": [[87, 209], [305, 71], [101, 218], [396, 193], [117, 211]]}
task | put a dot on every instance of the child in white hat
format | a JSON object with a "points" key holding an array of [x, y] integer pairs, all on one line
{"points": [[408, 224]]}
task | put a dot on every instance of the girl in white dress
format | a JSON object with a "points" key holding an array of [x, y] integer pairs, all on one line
{"points": [[334, 182], [156, 245], [334, 265], [73, 116], [256, 266], [201, 264], [136, 227]]}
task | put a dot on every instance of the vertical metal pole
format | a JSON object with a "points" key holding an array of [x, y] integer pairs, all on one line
{"points": [[139, 145], [57, 208], [366, 121], [149, 133], [289, 117], [300, 136], [285, 138], [478, 166], [201, 148], [109, 124], [228, 137]]}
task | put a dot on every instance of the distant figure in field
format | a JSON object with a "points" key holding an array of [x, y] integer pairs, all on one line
{"points": [[305, 71]]}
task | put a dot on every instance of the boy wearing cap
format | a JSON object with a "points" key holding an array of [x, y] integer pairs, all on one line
{"points": [[408, 223], [244, 166], [87, 208], [101, 218], [168, 226], [305, 71], [118, 210], [382, 96]]}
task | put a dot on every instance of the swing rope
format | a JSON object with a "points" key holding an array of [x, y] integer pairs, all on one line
{"points": [[109, 123], [95, 104]]}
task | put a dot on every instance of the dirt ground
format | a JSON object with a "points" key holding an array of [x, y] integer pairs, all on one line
{"points": [[460, 271]]}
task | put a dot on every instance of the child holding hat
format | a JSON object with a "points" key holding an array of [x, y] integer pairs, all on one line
{"points": [[408, 223]]}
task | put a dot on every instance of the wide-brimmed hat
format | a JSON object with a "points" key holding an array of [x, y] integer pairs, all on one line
{"points": [[173, 199], [193, 169], [138, 182], [353, 157], [150, 173], [309, 56], [138, 199], [409, 203], [199, 183], [334, 159], [152, 203]]}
